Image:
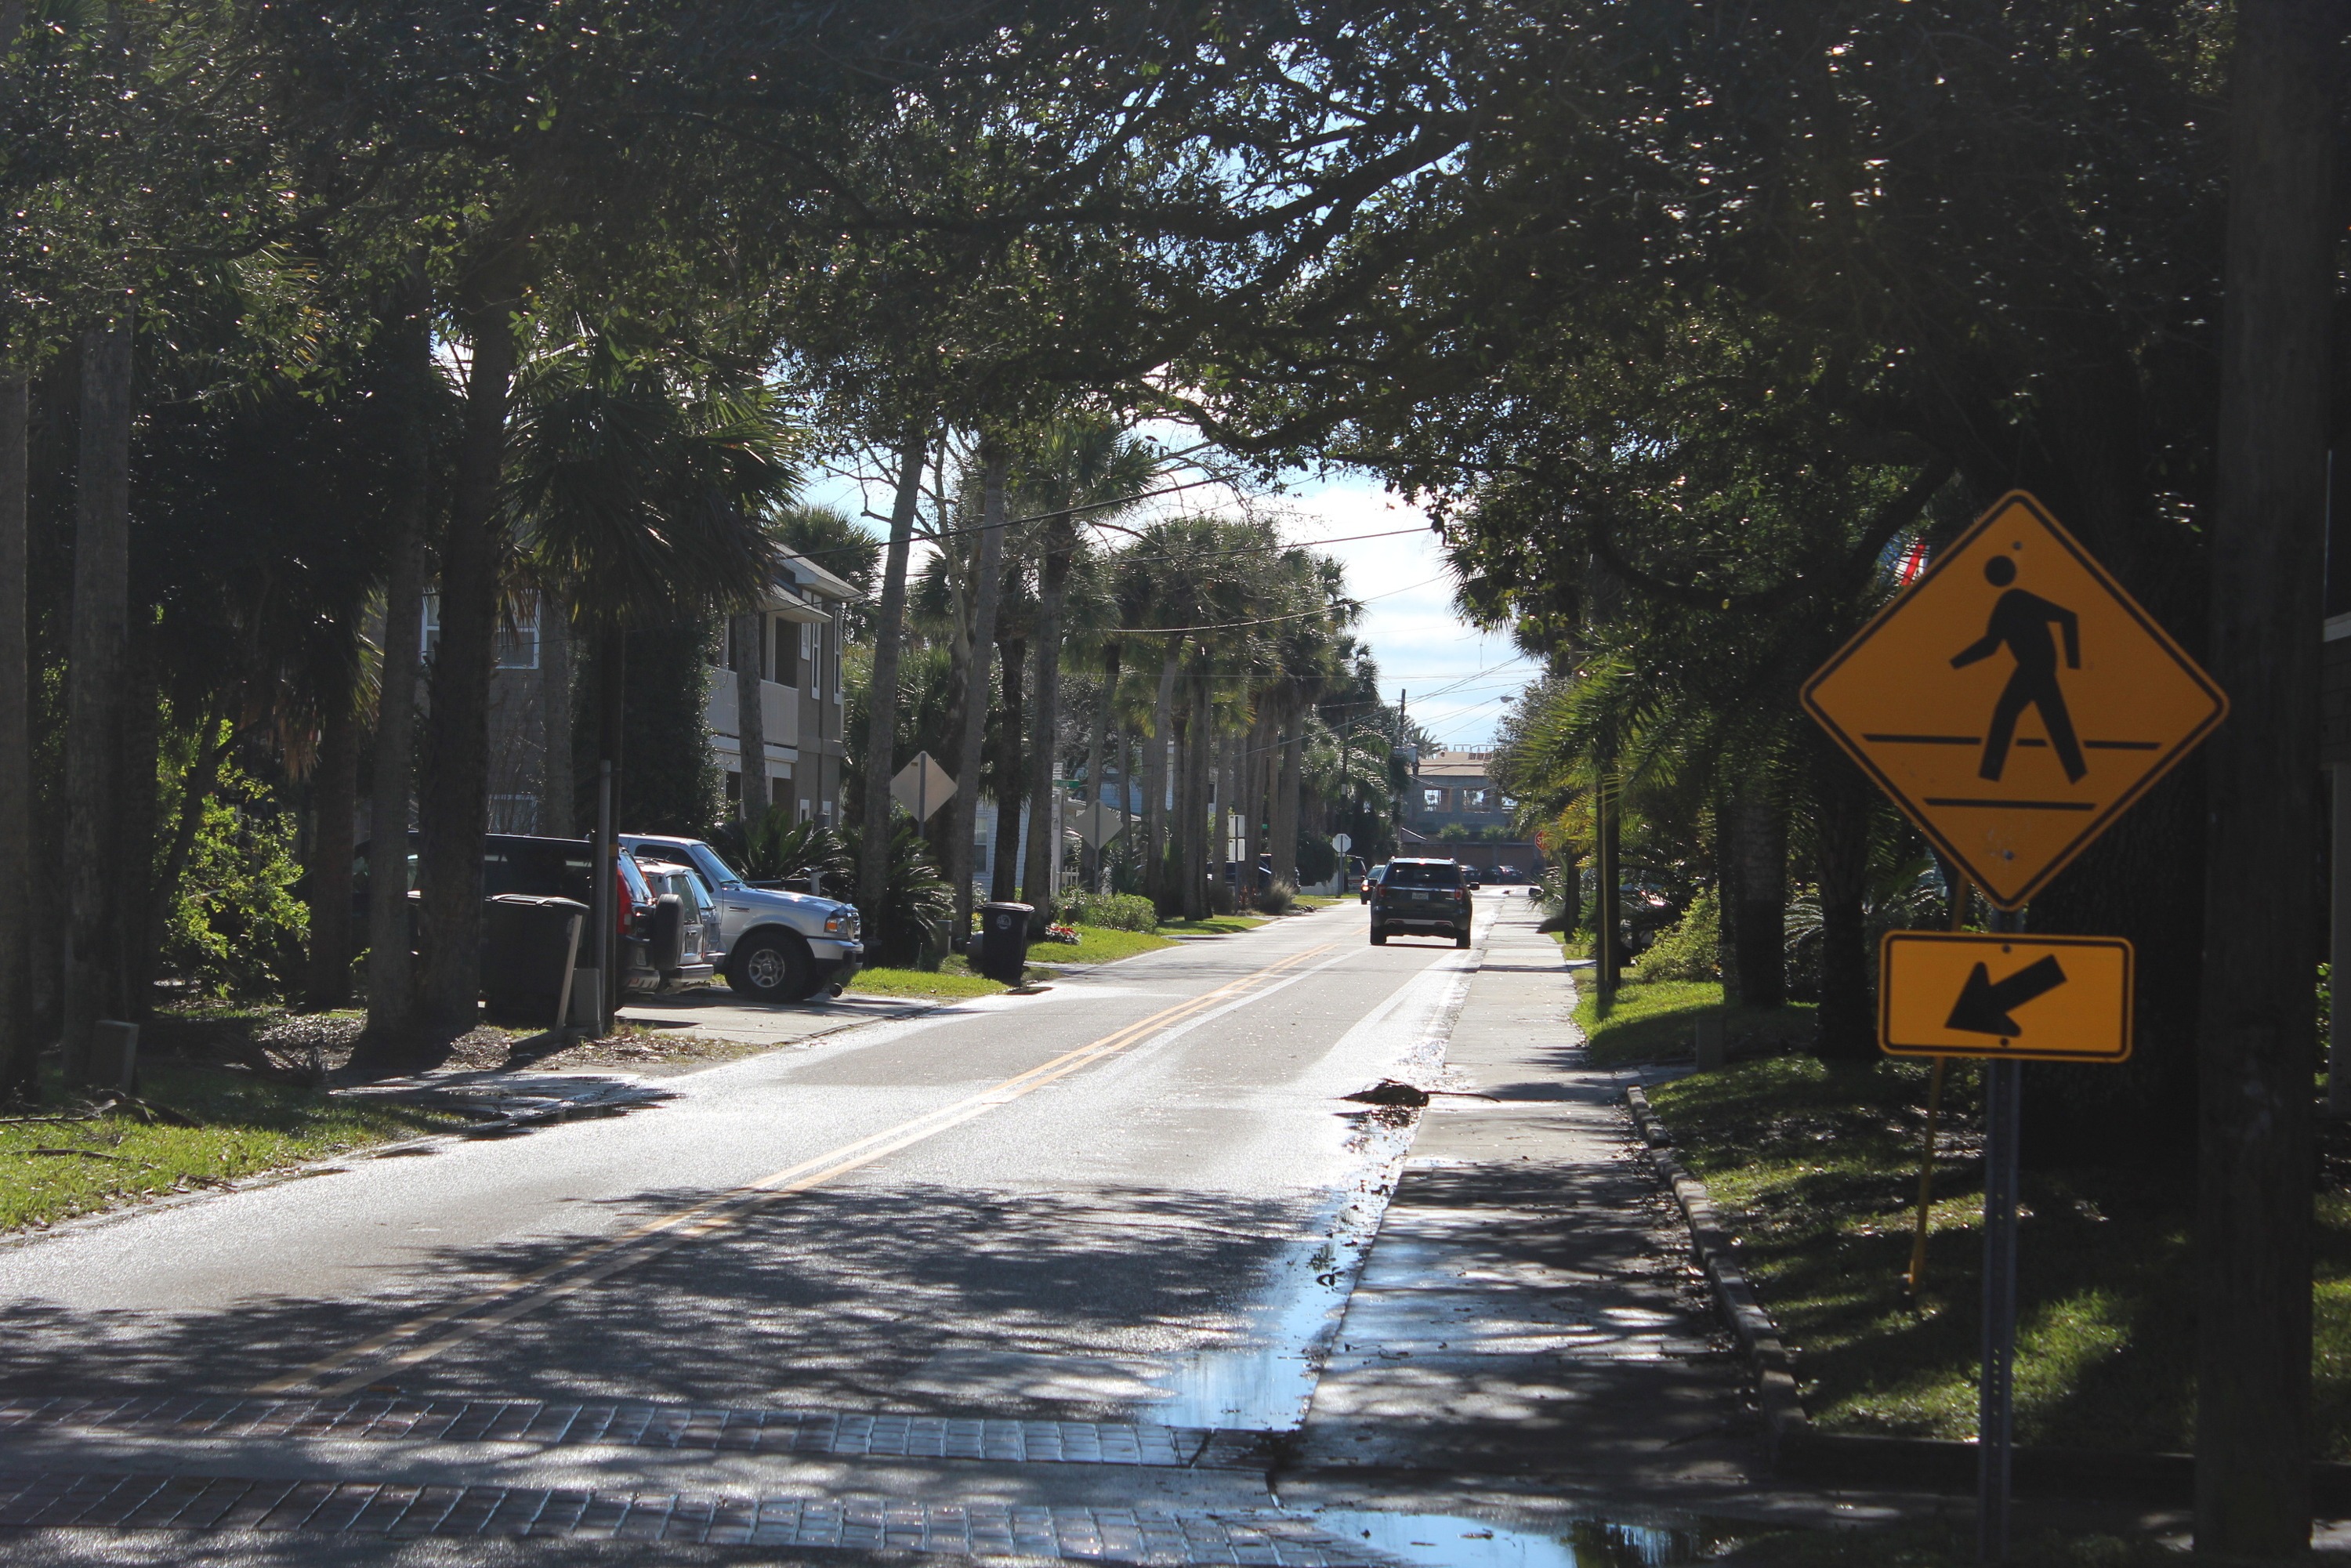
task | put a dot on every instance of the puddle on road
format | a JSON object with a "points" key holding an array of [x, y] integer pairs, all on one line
{"points": [[1458, 1541], [1265, 1381]]}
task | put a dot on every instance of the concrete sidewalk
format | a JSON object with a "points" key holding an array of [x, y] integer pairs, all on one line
{"points": [[1528, 1308]]}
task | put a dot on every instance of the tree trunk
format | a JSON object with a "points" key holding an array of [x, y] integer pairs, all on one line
{"points": [[1192, 805], [1129, 800], [454, 805], [2255, 1225], [1011, 778], [19, 1044], [1847, 1023], [750, 717], [962, 806], [95, 680], [1286, 786], [390, 971], [1255, 774], [139, 917], [1041, 862], [559, 781], [611, 755], [1760, 925], [882, 691], [1608, 946], [330, 882], [1726, 896], [1229, 799], [1090, 863], [1156, 756]]}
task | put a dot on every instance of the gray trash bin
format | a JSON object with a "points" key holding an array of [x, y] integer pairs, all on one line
{"points": [[1004, 941], [526, 949]]}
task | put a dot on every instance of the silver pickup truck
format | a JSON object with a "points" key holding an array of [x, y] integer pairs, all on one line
{"points": [[774, 946]]}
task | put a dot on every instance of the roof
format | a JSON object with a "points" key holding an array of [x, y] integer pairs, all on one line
{"points": [[807, 574]]}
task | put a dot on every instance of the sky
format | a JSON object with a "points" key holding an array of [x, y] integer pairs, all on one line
{"points": [[1455, 676]]}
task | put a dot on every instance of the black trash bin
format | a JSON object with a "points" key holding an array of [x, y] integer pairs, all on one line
{"points": [[1004, 941], [526, 950]]}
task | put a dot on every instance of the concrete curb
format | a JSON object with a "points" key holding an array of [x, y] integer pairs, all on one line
{"points": [[1785, 1425], [1799, 1450]]}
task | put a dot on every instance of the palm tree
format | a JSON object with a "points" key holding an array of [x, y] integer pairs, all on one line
{"points": [[1085, 463]]}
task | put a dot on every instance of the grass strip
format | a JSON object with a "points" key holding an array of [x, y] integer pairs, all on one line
{"points": [[55, 1169], [1656, 1020], [1214, 926], [1096, 945], [1821, 1165]]}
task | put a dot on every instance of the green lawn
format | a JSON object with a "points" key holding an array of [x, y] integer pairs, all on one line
{"points": [[1656, 1021], [52, 1170], [1215, 925], [1096, 945], [1821, 1165], [952, 979]]}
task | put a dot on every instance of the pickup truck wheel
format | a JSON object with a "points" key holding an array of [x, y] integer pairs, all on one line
{"points": [[771, 968]]}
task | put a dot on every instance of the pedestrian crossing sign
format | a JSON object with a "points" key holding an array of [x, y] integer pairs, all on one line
{"points": [[2014, 700]]}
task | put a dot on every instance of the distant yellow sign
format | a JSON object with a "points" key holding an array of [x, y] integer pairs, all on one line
{"points": [[2014, 700], [2035, 998]]}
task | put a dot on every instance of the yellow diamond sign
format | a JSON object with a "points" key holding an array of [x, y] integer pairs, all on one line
{"points": [[2014, 700]]}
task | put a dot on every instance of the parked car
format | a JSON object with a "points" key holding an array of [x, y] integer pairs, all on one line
{"points": [[773, 945], [1508, 873], [1422, 897], [1372, 880]]}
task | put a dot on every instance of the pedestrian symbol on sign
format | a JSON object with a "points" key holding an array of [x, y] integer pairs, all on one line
{"points": [[2021, 621]]}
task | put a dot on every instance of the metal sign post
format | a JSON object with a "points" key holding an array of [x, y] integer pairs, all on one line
{"points": [[1996, 1394]]}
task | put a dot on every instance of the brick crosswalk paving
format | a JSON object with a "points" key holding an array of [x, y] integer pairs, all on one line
{"points": [[844, 1434], [55, 1500]]}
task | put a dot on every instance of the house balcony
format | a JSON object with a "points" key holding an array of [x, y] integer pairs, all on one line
{"points": [[779, 716]]}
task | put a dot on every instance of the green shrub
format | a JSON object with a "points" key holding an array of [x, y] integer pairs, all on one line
{"points": [[1689, 949], [1276, 899], [1110, 911], [236, 928], [778, 849], [915, 900]]}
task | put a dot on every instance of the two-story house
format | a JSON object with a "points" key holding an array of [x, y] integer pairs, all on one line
{"points": [[803, 625]]}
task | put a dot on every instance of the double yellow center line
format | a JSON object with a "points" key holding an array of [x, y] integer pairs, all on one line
{"points": [[415, 1341]]}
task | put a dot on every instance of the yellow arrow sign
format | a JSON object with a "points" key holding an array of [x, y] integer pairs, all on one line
{"points": [[2014, 701], [2038, 999]]}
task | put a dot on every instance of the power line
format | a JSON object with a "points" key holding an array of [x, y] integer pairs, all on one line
{"points": [[1261, 620]]}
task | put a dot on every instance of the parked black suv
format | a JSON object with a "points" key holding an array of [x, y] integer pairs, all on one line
{"points": [[1424, 898]]}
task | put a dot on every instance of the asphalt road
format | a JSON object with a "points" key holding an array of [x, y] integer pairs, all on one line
{"points": [[1138, 1195]]}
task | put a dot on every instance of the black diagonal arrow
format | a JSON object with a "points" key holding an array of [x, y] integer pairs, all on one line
{"points": [[1982, 1007]]}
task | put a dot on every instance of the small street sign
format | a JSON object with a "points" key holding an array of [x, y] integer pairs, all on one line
{"points": [[2037, 999], [1096, 821], [1343, 842], [922, 787], [2014, 701]]}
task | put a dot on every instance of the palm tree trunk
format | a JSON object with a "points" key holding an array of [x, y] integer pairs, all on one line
{"points": [[962, 806], [750, 719], [1286, 789], [1157, 755], [560, 785], [1258, 775], [19, 1079], [1090, 865], [1228, 804], [454, 804], [882, 689], [1011, 778], [1194, 840], [96, 696], [337, 791], [1041, 853], [1129, 801], [391, 973]]}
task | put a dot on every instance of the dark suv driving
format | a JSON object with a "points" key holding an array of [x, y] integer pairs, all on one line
{"points": [[1422, 898]]}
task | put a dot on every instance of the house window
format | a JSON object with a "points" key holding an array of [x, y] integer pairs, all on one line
{"points": [[1433, 799], [786, 655], [1476, 800]]}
